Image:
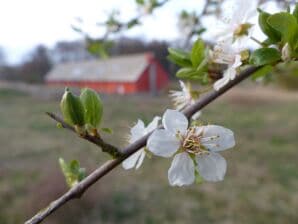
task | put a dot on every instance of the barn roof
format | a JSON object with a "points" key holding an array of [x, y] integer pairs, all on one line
{"points": [[126, 68]]}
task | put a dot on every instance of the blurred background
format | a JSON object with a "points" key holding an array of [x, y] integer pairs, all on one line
{"points": [[46, 45]]}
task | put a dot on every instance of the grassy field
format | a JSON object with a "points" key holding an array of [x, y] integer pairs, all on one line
{"points": [[261, 185]]}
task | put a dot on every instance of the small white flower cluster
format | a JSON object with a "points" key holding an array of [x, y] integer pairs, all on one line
{"points": [[184, 98], [232, 36], [229, 54], [195, 149]]}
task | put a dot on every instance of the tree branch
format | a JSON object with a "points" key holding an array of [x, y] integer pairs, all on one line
{"points": [[80, 188], [97, 140]]}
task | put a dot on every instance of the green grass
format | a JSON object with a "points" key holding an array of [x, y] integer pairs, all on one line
{"points": [[260, 186]]}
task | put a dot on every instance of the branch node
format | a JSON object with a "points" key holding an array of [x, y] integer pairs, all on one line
{"points": [[97, 140]]}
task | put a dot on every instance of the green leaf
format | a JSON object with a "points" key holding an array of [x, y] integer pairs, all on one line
{"points": [[93, 107], [179, 57], [72, 109], [264, 56], [72, 172], [186, 73], [99, 47], [140, 2], [81, 174], [295, 12], [200, 31], [296, 49], [265, 70], [197, 53], [273, 35], [203, 66], [74, 165], [286, 24], [132, 23], [107, 130], [190, 74]]}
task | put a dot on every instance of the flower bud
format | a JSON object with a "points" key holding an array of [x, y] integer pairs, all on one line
{"points": [[72, 109], [93, 108]]}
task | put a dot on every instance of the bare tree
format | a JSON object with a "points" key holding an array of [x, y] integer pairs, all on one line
{"points": [[36, 66]]}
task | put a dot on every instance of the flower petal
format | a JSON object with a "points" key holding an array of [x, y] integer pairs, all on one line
{"points": [[236, 64], [221, 82], [163, 143], [141, 159], [212, 167], [137, 131], [183, 86], [217, 138], [153, 125], [182, 170], [196, 115], [174, 121], [134, 159]]}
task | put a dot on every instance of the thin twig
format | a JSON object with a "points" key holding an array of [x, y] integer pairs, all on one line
{"points": [[80, 188], [97, 140]]}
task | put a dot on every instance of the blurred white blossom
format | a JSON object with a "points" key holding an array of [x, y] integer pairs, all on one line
{"points": [[236, 24], [184, 97], [137, 132], [229, 54]]}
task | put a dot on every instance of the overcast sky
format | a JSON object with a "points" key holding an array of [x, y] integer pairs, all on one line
{"points": [[27, 23]]}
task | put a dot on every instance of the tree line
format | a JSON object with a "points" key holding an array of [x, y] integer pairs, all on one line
{"points": [[42, 59]]}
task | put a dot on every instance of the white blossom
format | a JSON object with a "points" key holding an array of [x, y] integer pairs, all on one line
{"points": [[229, 54], [236, 25], [184, 98], [138, 131], [194, 148]]}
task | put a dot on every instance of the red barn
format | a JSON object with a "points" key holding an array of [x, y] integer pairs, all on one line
{"points": [[123, 74]]}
